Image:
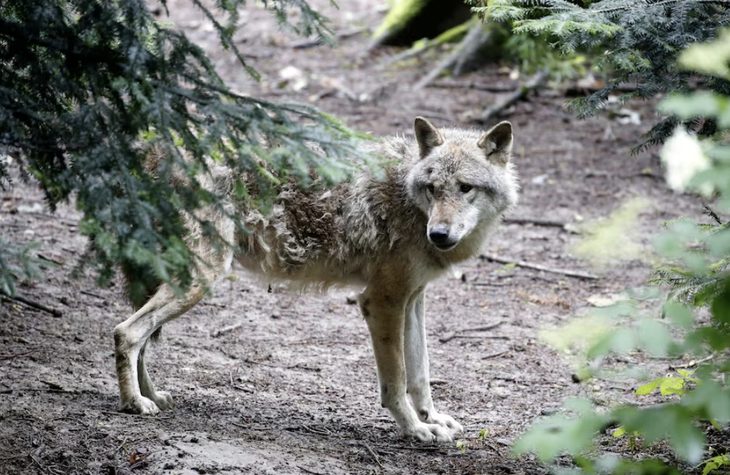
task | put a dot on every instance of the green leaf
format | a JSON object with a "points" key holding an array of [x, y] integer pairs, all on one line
{"points": [[685, 373], [709, 400], [672, 386], [708, 58], [672, 421], [556, 434], [649, 387], [699, 104], [714, 463], [619, 432], [680, 314], [655, 337]]}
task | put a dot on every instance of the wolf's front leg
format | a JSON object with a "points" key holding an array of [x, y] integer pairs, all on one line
{"points": [[384, 313], [417, 366]]}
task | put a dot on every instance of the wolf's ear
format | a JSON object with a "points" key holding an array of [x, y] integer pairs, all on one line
{"points": [[427, 135], [497, 143]]}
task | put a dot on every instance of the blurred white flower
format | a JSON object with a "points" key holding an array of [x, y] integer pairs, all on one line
{"points": [[683, 158]]}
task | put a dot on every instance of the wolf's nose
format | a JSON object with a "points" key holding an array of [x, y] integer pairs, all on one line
{"points": [[439, 234]]}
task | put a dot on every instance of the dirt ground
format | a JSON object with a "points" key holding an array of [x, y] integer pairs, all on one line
{"points": [[292, 389]]}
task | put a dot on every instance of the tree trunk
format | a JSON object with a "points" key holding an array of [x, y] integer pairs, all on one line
{"points": [[411, 20]]}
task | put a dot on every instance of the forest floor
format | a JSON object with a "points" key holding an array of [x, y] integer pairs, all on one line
{"points": [[292, 389]]}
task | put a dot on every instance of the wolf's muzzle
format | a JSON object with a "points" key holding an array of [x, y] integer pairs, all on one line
{"points": [[440, 238]]}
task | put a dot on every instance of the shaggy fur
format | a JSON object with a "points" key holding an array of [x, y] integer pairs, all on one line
{"points": [[444, 193]]}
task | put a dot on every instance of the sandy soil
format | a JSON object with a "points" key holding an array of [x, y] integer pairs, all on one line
{"points": [[292, 390]]}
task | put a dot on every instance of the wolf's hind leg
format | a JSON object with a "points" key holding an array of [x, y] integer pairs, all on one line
{"points": [[417, 367], [138, 394], [162, 399], [130, 338], [384, 314]]}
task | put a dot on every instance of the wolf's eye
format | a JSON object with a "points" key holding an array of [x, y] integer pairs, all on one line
{"points": [[430, 188], [465, 188]]}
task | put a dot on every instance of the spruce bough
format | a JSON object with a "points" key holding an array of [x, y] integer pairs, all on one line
{"points": [[86, 87], [635, 42]]}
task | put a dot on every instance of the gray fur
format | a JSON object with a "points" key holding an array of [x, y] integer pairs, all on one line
{"points": [[438, 201]]}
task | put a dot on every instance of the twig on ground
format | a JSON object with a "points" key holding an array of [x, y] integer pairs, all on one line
{"points": [[489, 284], [528, 265], [480, 337], [224, 330], [130, 414], [38, 306], [43, 257], [711, 213], [142, 462], [309, 471], [323, 431], [17, 355], [339, 35], [43, 390], [242, 388], [520, 93], [436, 382], [413, 52], [474, 39], [372, 453], [52, 385], [471, 85], [536, 222], [494, 355], [693, 363], [481, 328], [423, 448], [41, 467], [450, 336], [121, 446], [91, 294]]}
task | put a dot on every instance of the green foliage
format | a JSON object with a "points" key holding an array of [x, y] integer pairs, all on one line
{"points": [[668, 385], [714, 463], [634, 437], [613, 239], [638, 42], [88, 88], [696, 276], [15, 263], [556, 434], [534, 53], [399, 15]]}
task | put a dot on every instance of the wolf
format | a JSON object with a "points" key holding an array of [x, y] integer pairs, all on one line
{"points": [[440, 197]]}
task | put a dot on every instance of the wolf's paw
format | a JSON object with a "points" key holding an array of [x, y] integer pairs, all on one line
{"points": [[433, 417], [140, 405], [163, 400], [447, 421], [429, 433]]}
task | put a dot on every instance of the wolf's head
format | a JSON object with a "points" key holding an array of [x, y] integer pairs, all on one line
{"points": [[463, 181]]}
